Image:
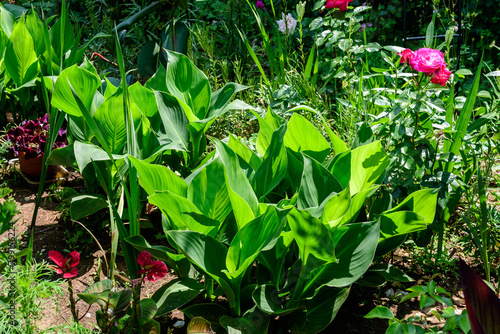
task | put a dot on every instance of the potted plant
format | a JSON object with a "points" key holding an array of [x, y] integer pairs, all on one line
{"points": [[28, 144]]}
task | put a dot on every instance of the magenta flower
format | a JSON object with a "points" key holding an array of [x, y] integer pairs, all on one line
{"points": [[259, 4], [154, 269], [441, 76], [65, 265], [406, 55], [340, 4], [427, 60]]}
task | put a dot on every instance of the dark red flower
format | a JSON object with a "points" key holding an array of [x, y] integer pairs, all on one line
{"points": [[340, 4], [65, 265], [406, 55], [154, 269], [441, 76]]}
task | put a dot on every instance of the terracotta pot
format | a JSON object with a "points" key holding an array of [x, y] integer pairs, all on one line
{"points": [[32, 167]]}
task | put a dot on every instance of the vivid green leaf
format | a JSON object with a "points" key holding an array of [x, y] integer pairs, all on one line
{"points": [[157, 178], [317, 184], [188, 83], [175, 294], [174, 120], [83, 82], [250, 240], [355, 246], [304, 137], [85, 205], [208, 190], [380, 312], [368, 164], [196, 246], [273, 168], [243, 200], [312, 237], [20, 58], [183, 213]]}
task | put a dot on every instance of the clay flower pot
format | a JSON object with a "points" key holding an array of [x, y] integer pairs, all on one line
{"points": [[32, 167]]}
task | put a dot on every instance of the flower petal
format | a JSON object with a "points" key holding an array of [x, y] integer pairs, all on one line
{"points": [[57, 258], [144, 258], [71, 274], [75, 258], [159, 270]]}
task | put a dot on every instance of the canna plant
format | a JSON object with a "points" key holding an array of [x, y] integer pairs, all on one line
{"points": [[163, 121], [301, 219], [30, 49]]}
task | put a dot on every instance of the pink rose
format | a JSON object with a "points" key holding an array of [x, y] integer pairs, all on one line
{"points": [[441, 76], [406, 55], [340, 4], [427, 60]]}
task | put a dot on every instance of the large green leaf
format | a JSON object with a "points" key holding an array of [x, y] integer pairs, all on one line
{"points": [[464, 118], [35, 27], [7, 20], [87, 153], [92, 293], [174, 120], [147, 312], [175, 294], [20, 59], [250, 240], [399, 223], [267, 299], [84, 84], [273, 168], [322, 309], [368, 164], [183, 213], [355, 246], [304, 137], [264, 136], [221, 97], [357, 203], [188, 83], [85, 205], [336, 207], [157, 178], [208, 191], [423, 202], [110, 119], [56, 34], [252, 322], [244, 152], [311, 236], [243, 200], [175, 36], [203, 250], [317, 184], [144, 98], [338, 145]]}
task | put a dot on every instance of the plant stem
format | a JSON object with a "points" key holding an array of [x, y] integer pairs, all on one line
{"points": [[72, 304]]}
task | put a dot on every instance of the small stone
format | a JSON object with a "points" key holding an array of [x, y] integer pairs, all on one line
{"points": [[390, 293], [179, 324], [26, 199]]}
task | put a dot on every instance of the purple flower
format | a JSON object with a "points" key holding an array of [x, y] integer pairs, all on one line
{"points": [[364, 26], [259, 4]]}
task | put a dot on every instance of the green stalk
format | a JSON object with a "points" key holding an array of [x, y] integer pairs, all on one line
{"points": [[72, 304], [484, 246]]}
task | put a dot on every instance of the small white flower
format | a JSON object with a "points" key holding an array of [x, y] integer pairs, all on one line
{"points": [[287, 24]]}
